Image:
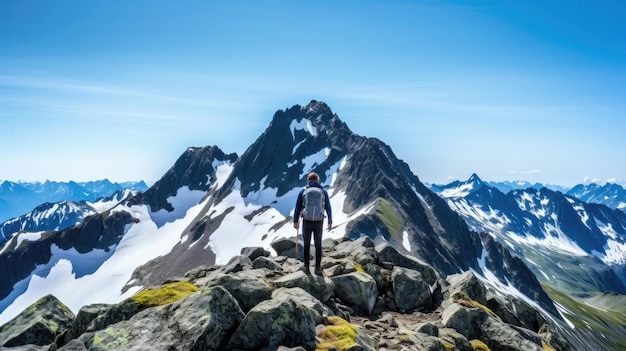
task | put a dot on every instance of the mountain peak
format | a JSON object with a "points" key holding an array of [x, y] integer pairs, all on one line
{"points": [[318, 107], [474, 178]]}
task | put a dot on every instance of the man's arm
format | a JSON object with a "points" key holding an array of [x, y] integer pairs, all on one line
{"points": [[296, 214], [329, 210]]}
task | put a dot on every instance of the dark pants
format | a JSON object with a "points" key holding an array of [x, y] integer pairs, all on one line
{"points": [[316, 228]]}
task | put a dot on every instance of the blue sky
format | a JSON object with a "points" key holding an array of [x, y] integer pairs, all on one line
{"points": [[532, 90]]}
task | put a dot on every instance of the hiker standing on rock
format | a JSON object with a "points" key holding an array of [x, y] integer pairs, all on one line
{"points": [[311, 204]]}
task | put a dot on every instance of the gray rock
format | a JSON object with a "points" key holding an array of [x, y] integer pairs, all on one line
{"points": [[200, 321], [254, 252], [267, 263], [113, 314], [357, 289], [39, 324], [319, 286], [237, 264], [501, 336], [283, 320], [428, 343], [360, 250], [516, 312], [428, 329], [286, 247], [245, 287], [468, 284], [453, 337], [410, 290], [467, 321], [84, 317], [73, 345], [387, 253]]}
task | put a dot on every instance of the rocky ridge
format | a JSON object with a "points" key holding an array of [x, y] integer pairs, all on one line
{"points": [[370, 297]]}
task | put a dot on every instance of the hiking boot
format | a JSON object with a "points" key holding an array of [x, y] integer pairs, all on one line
{"points": [[318, 271], [306, 270]]}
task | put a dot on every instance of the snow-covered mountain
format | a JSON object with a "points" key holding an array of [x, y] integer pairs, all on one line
{"points": [[59, 215], [211, 204], [548, 229], [18, 198], [609, 194]]}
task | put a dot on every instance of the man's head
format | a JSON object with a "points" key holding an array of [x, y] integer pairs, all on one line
{"points": [[313, 177]]}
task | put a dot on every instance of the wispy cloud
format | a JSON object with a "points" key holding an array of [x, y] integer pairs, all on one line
{"points": [[532, 171]]}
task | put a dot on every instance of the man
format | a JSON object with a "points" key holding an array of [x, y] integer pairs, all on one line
{"points": [[311, 204]]}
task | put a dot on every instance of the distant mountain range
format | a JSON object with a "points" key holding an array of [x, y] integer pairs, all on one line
{"points": [[19, 198], [60, 215]]}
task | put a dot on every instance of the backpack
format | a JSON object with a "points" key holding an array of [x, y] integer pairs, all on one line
{"points": [[313, 204]]}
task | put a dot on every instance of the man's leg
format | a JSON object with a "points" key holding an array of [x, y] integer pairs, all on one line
{"points": [[317, 232], [306, 242]]}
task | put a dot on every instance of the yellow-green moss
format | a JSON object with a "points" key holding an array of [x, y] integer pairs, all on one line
{"points": [[339, 334], [359, 268], [386, 213], [464, 300], [449, 346], [404, 338], [165, 294], [546, 346], [478, 345]]}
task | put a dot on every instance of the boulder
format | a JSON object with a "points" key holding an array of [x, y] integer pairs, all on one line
{"points": [[452, 337], [284, 320], [427, 328], [516, 312], [319, 287], [113, 314], [388, 254], [200, 321], [467, 321], [475, 323], [237, 264], [245, 287], [286, 247], [84, 317], [410, 290], [357, 289], [468, 284], [501, 336], [39, 324], [254, 252], [360, 251], [267, 263]]}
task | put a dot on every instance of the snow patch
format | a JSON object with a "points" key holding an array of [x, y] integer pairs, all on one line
{"points": [[184, 199], [304, 124], [405, 241], [222, 172], [461, 191], [313, 160], [27, 236]]}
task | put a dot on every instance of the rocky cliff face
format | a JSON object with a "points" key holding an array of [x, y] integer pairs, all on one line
{"points": [[369, 298]]}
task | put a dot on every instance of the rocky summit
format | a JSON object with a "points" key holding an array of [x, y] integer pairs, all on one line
{"points": [[369, 297]]}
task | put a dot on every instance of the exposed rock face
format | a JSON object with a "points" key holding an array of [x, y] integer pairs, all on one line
{"points": [[39, 324], [239, 307], [195, 168], [509, 268], [411, 290], [358, 289]]}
